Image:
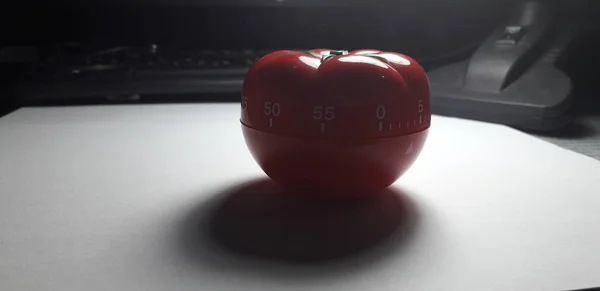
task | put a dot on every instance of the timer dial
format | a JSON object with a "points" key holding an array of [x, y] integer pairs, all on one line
{"points": [[335, 120]]}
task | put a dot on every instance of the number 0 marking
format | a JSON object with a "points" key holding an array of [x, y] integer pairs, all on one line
{"points": [[380, 112]]}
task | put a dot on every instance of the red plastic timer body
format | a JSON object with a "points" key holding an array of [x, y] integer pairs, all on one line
{"points": [[339, 122]]}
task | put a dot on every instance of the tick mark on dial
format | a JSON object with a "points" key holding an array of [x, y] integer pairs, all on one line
{"points": [[322, 127], [380, 126], [270, 122]]}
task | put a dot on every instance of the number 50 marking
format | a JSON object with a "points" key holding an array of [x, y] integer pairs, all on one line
{"points": [[323, 112], [272, 108]]}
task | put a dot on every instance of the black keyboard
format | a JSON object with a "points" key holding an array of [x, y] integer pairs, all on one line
{"points": [[136, 74], [152, 61]]}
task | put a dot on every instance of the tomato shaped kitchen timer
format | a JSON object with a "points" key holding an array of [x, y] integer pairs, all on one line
{"points": [[335, 122]]}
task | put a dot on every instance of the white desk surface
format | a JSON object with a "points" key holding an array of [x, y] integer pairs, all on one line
{"points": [[113, 198]]}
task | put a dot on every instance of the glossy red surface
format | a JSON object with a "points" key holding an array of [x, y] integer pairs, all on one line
{"points": [[336, 168], [343, 117]]}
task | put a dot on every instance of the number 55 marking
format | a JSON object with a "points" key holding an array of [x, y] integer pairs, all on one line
{"points": [[323, 112]]}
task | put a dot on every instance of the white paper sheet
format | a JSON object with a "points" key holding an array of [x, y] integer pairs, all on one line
{"points": [[99, 198]]}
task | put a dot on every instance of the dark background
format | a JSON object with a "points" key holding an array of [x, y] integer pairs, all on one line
{"points": [[432, 31], [420, 28]]}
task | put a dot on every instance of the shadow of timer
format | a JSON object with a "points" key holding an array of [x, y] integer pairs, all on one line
{"points": [[336, 123]]}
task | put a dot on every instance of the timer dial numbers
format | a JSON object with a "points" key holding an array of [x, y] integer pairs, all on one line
{"points": [[336, 94], [275, 86]]}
